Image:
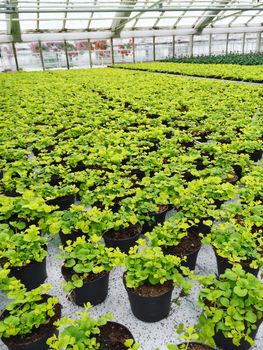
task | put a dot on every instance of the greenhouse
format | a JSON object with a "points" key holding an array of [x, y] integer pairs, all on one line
{"points": [[131, 175]]}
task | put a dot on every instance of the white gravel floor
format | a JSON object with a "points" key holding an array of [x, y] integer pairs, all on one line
{"points": [[151, 336]]}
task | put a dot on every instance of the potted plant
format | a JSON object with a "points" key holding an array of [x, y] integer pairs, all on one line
{"points": [[174, 239], [234, 243], [191, 340], [149, 280], [231, 309], [76, 222], [28, 320], [124, 232], [25, 254], [86, 269], [24, 210], [88, 333]]}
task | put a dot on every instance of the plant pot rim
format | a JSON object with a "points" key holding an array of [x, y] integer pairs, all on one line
{"points": [[243, 263], [131, 290], [196, 343], [188, 254], [124, 239], [63, 267]]}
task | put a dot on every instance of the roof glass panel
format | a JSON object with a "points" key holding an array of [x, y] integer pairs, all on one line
{"points": [[60, 15]]}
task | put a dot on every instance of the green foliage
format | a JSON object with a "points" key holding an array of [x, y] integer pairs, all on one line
{"points": [[248, 59], [80, 333], [10, 285], [29, 310], [21, 248], [237, 243], [152, 266], [86, 257], [232, 304], [224, 71]]}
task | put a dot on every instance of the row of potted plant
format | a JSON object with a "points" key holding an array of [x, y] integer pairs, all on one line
{"points": [[220, 70]]}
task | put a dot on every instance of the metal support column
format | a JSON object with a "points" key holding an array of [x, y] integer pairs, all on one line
{"points": [[210, 45], [191, 46], [173, 46], [227, 41], [258, 42], [154, 52], [89, 49], [41, 55], [15, 56], [66, 53], [243, 42], [133, 50], [112, 51]]}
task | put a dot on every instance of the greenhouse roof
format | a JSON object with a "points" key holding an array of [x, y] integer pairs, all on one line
{"points": [[109, 18]]}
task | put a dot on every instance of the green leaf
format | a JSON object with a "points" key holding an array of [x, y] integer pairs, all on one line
{"points": [[240, 292]]}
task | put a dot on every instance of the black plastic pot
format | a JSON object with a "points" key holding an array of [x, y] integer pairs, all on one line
{"points": [[223, 264], [31, 275], [256, 155], [40, 344], [227, 344], [36, 340], [192, 344], [64, 202], [71, 236], [95, 291], [150, 309], [158, 218], [113, 335], [123, 243]]}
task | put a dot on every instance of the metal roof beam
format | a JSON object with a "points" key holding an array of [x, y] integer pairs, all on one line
{"points": [[119, 24], [146, 9], [13, 27], [212, 14]]}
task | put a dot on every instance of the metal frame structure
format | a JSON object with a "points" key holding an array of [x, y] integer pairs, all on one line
{"points": [[128, 19]]}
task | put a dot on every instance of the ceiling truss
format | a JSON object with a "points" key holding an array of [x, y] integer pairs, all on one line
{"points": [[125, 15]]}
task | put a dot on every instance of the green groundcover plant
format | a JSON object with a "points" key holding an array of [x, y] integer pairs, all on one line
{"points": [[232, 304], [81, 333], [21, 248], [27, 311], [150, 265], [88, 257], [237, 243]]}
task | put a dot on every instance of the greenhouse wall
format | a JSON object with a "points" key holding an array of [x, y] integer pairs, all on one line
{"points": [[48, 55]]}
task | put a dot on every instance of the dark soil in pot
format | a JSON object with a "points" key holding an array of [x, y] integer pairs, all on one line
{"points": [[223, 264], [189, 246], [113, 336], [197, 346], [94, 289], [123, 238], [36, 340], [31, 275], [150, 303], [63, 202]]}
